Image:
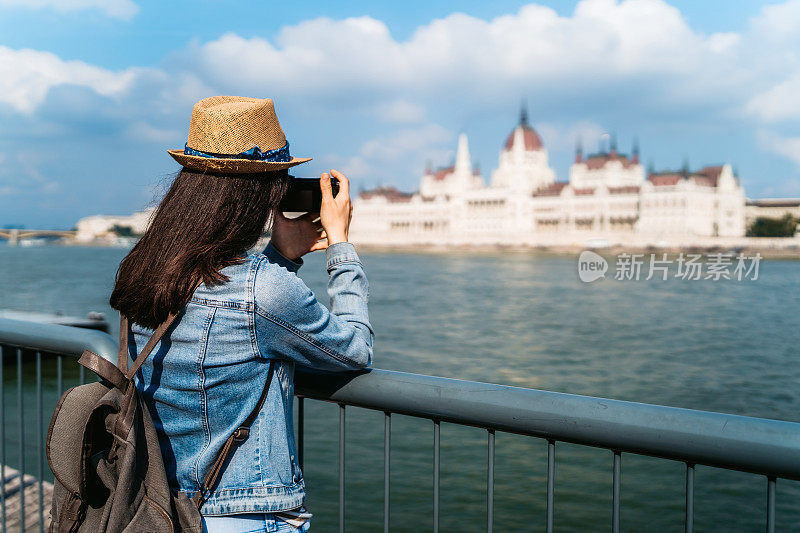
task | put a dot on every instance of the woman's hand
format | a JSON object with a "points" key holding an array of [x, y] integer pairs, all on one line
{"points": [[335, 213], [295, 237]]}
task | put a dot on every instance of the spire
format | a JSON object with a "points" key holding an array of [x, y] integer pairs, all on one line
{"points": [[462, 155], [651, 168], [613, 145], [579, 151], [685, 169], [523, 113], [635, 151]]}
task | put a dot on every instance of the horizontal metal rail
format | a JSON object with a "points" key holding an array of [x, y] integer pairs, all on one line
{"points": [[761, 446], [757, 445], [54, 338]]}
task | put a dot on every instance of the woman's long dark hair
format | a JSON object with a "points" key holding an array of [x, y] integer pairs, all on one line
{"points": [[204, 223]]}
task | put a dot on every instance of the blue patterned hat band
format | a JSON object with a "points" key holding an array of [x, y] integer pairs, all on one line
{"points": [[279, 155]]}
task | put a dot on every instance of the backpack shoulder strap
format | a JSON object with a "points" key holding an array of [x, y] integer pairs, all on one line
{"points": [[121, 375], [103, 368], [157, 334], [239, 435], [122, 355]]}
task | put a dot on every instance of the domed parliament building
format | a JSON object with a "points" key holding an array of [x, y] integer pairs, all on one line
{"points": [[609, 199]]}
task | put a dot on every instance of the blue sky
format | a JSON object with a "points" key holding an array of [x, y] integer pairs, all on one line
{"points": [[92, 92]]}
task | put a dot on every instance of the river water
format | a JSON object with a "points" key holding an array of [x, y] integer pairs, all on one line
{"points": [[522, 319]]}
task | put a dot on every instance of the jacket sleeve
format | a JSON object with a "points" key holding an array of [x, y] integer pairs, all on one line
{"points": [[291, 323]]}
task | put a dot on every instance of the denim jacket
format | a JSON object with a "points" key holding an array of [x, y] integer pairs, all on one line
{"points": [[210, 368]]}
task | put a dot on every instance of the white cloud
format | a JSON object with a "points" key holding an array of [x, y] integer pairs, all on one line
{"points": [[779, 103], [460, 60], [586, 132], [401, 148], [121, 9], [402, 143], [28, 164], [27, 75], [460, 56], [143, 131], [719, 43], [354, 167], [778, 23], [401, 111], [29, 178], [788, 147]]}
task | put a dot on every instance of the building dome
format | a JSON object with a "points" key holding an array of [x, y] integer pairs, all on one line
{"points": [[530, 137]]}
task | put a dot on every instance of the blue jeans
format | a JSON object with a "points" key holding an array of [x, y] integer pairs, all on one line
{"points": [[250, 523]]}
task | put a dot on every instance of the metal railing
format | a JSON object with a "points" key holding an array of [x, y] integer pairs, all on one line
{"points": [[18, 338], [766, 447]]}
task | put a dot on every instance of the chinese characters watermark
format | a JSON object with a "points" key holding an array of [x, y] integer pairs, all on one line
{"points": [[662, 266]]}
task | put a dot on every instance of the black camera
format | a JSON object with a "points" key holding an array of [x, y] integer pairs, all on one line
{"points": [[305, 195]]}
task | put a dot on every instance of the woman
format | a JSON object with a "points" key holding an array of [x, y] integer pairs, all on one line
{"points": [[242, 320]]}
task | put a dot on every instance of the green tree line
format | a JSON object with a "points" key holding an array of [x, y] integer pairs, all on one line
{"points": [[786, 226]]}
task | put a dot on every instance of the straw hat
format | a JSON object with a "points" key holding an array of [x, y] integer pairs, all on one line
{"points": [[237, 135]]}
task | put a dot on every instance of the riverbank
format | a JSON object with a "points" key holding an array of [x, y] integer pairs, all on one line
{"points": [[767, 247], [783, 250]]}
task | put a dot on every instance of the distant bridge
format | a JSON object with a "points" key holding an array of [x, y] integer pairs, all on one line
{"points": [[14, 235]]}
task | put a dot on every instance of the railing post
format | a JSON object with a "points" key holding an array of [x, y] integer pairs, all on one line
{"points": [[490, 484], [770, 505], [551, 474], [21, 429], [616, 492], [341, 468], [436, 437], [387, 449], [60, 375], [40, 437], [689, 498]]}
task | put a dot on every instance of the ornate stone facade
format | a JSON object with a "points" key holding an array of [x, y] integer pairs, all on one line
{"points": [[608, 199]]}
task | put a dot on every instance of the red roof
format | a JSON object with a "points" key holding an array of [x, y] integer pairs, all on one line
{"points": [[531, 138], [663, 180], [554, 189], [626, 189], [703, 180], [442, 173], [390, 193], [706, 176], [596, 161], [711, 173], [583, 192]]}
